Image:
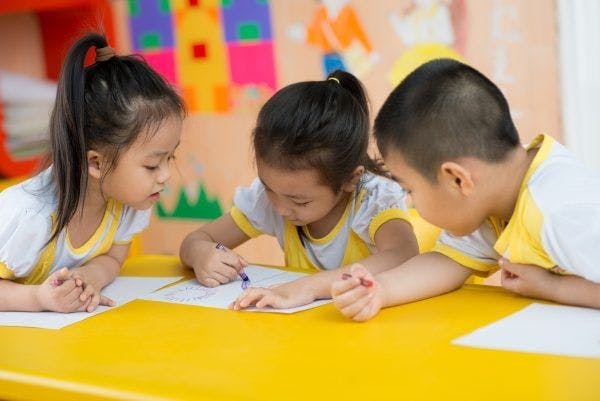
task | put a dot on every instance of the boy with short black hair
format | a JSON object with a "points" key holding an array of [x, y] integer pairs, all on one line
{"points": [[447, 135]]}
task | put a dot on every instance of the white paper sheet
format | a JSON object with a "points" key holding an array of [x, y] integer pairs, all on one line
{"points": [[122, 291], [192, 293], [540, 328]]}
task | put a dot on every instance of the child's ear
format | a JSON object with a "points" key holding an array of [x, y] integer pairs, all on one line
{"points": [[94, 161], [351, 184], [457, 177]]}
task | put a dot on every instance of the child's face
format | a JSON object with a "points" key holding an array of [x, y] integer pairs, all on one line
{"points": [[143, 170], [444, 204], [298, 196]]}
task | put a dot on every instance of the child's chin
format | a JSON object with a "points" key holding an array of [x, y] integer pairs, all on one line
{"points": [[142, 205], [462, 232]]}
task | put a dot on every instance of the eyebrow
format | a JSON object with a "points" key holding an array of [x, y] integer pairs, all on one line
{"points": [[297, 197], [303, 197], [394, 178], [161, 153]]}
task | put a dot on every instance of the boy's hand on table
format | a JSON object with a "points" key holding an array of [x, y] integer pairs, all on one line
{"points": [[359, 297], [527, 280]]}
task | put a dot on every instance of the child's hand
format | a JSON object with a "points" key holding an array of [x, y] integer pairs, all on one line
{"points": [[90, 296], [219, 266], [358, 297], [527, 280], [288, 295], [59, 293]]}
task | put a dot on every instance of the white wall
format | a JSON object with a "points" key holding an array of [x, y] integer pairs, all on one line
{"points": [[579, 55]]}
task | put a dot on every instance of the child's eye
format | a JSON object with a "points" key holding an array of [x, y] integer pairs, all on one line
{"points": [[302, 204], [150, 168]]}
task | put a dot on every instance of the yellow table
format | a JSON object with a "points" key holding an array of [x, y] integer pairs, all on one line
{"points": [[157, 351]]}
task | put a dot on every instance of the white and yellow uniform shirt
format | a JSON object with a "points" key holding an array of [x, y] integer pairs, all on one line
{"points": [[555, 223], [376, 201], [27, 212]]}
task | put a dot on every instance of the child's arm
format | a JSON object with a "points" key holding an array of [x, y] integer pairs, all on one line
{"points": [[211, 265], [395, 242], [536, 282], [97, 273], [49, 295], [423, 276], [18, 297]]}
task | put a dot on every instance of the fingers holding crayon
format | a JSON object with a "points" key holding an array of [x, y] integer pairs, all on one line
{"points": [[357, 295]]}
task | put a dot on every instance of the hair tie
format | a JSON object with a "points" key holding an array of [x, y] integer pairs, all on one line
{"points": [[104, 53], [333, 79]]}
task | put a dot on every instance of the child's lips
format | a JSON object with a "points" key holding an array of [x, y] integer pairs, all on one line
{"points": [[155, 196]]}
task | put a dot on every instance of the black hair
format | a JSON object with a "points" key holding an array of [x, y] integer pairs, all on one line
{"points": [[102, 107], [317, 124], [445, 110]]}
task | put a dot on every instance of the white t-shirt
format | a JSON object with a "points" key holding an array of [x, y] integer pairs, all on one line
{"points": [[27, 211], [555, 224], [376, 201]]}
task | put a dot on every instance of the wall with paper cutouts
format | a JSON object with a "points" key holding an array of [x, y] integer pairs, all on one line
{"points": [[228, 56]]}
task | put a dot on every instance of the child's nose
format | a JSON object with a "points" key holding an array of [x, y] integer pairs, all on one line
{"points": [[281, 210], [164, 175]]}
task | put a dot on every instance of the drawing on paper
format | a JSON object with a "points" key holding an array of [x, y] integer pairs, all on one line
{"points": [[190, 293]]}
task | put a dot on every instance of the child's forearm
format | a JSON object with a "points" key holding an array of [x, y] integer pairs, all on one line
{"points": [[389, 258], [319, 284], [190, 245], [101, 271], [424, 276], [574, 290], [18, 297]]}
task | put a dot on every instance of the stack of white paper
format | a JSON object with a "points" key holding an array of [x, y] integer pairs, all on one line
{"points": [[26, 104], [545, 329]]}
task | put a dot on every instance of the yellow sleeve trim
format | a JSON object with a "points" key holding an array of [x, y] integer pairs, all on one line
{"points": [[43, 266], [465, 260], [122, 242], [6, 273], [384, 217], [243, 223]]}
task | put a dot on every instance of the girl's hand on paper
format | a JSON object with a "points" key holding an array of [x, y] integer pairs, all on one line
{"points": [[90, 296], [59, 293], [288, 295], [220, 265]]}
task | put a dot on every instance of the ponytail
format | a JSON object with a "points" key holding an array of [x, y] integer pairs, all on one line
{"points": [[67, 136], [351, 84]]}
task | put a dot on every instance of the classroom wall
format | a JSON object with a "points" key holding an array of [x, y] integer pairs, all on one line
{"points": [[513, 42], [228, 56]]}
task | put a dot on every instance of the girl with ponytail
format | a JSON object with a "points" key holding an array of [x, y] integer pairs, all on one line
{"points": [[318, 191], [65, 232]]}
